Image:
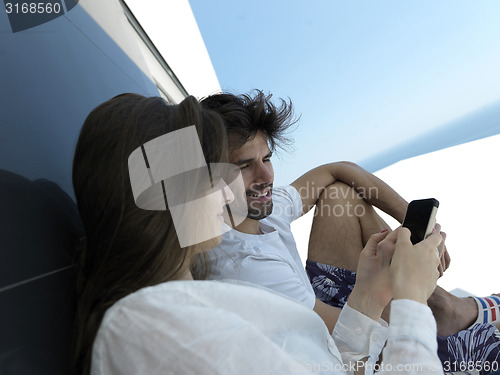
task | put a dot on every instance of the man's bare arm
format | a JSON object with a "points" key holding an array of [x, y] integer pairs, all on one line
{"points": [[371, 188], [329, 314]]}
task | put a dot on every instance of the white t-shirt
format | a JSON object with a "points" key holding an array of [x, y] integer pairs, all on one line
{"points": [[212, 327], [270, 259]]}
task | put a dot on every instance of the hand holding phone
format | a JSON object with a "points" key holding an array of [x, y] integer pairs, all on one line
{"points": [[420, 218], [414, 268]]}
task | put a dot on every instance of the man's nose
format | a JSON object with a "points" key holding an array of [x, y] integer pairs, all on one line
{"points": [[264, 173]]}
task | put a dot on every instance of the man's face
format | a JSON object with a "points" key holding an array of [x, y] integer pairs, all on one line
{"points": [[254, 161]]}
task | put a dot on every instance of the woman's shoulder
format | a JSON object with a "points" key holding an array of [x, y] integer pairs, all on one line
{"points": [[184, 316], [183, 300], [182, 295], [172, 310], [198, 322], [182, 309], [169, 294]]}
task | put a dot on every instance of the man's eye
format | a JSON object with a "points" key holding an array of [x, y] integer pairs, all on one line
{"points": [[243, 166]]}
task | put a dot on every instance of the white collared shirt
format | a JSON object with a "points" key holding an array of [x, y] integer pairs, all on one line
{"points": [[212, 327]]}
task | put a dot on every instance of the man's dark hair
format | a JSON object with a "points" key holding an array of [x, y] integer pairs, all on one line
{"points": [[245, 115]]}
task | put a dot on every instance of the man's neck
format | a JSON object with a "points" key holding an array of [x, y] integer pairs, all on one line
{"points": [[249, 226]]}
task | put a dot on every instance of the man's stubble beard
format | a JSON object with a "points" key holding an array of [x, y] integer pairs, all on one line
{"points": [[261, 212]]}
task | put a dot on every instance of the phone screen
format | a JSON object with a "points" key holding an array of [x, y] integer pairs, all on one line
{"points": [[420, 218]]}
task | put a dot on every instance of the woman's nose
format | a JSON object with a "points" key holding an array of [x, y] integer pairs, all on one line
{"points": [[227, 193]]}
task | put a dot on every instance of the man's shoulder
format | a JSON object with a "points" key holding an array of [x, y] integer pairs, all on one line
{"points": [[286, 194], [287, 207]]}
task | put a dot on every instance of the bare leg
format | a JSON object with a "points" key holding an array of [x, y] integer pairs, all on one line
{"points": [[343, 222], [452, 313]]}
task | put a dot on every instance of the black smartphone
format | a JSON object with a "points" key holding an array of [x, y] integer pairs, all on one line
{"points": [[420, 218]]}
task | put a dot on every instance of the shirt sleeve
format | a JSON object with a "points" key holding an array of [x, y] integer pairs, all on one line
{"points": [[412, 345], [410, 340], [358, 337], [288, 202]]}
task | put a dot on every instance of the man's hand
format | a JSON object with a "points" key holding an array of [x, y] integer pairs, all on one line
{"points": [[444, 256]]}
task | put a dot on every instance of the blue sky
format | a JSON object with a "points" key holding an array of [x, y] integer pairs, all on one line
{"points": [[375, 82], [364, 75]]}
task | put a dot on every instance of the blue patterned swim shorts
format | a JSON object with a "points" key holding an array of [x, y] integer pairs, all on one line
{"points": [[476, 348]]}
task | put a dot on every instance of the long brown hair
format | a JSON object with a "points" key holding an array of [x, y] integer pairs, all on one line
{"points": [[127, 248]]}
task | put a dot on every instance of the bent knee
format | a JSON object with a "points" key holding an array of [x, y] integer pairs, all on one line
{"points": [[339, 192]]}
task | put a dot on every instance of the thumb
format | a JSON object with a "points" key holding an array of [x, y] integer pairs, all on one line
{"points": [[375, 239], [393, 236], [404, 235]]}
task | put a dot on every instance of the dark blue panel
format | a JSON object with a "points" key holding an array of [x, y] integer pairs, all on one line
{"points": [[40, 230], [52, 76], [70, 4]]}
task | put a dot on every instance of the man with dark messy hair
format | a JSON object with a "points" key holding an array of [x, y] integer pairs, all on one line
{"points": [[249, 119], [262, 249], [246, 115]]}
